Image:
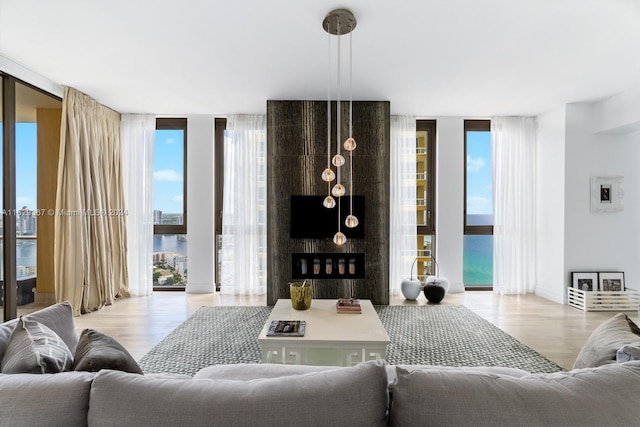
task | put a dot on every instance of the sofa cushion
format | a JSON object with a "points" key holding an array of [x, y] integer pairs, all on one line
{"points": [[603, 343], [254, 371], [45, 400], [36, 349], [627, 353], [583, 397], [96, 351], [359, 394], [513, 372]]}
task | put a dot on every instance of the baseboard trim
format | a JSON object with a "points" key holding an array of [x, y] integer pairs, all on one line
{"points": [[200, 288], [551, 296], [456, 288]]}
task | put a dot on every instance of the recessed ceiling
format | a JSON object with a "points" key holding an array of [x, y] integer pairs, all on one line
{"points": [[428, 58]]}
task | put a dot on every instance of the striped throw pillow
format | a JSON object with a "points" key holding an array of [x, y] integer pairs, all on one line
{"points": [[34, 348]]}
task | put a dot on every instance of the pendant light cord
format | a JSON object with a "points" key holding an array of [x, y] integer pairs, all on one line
{"points": [[338, 123], [329, 108], [351, 120]]}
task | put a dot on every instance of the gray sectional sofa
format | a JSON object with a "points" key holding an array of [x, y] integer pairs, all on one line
{"points": [[369, 394]]}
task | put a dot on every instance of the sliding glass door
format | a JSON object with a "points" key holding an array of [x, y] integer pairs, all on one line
{"points": [[30, 138]]}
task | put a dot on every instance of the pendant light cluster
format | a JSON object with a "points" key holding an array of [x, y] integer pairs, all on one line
{"points": [[338, 23]]}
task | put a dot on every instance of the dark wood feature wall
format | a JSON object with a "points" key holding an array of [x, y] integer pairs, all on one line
{"points": [[296, 156]]}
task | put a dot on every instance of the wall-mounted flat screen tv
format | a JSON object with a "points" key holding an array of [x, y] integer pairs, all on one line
{"points": [[311, 220]]}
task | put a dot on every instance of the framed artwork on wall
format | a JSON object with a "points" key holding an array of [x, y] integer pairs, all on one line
{"points": [[606, 194], [585, 281], [611, 281]]}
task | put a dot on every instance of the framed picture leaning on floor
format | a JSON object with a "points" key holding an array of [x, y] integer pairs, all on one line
{"points": [[585, 281], [611, 281]]}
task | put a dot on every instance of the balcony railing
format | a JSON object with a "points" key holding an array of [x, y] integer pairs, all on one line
{"points": [[26, 257]]}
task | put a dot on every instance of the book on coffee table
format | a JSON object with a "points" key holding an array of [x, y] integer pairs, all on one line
{"points": [[286, 328], [348, 305]]}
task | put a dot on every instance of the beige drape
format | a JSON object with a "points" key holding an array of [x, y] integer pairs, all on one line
{"points": [[90, 225]]}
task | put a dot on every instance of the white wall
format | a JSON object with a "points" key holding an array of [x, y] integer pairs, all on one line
{"points": [[600, 241], [450, 199], [550, 212], [200, 196], [619, 113]]}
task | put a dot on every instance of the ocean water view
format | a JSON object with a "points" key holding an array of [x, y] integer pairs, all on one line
{"points": [[478, 260], [170, 243], [477, 255], [26, 253], [26, 248], [26, 256]]}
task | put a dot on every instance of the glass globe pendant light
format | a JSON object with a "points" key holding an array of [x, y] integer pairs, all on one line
{"points": [[351, 221], [350, 144], [339, 22], [339, 238], [328, 175], [338, 160], [338, 190], [329, 202]]}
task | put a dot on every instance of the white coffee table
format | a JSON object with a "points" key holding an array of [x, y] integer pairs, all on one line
{"points": [[330, 339]]}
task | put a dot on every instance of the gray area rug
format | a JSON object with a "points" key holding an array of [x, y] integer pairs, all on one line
{"points": [[448, 335], [453, 335]]}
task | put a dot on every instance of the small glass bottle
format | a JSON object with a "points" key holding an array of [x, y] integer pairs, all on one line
{"points": [[341, 266], [328, 267], [352, 266], [316, 266]]}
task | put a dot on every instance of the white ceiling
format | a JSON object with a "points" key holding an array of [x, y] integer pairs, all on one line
{"points": [[428, 58]]}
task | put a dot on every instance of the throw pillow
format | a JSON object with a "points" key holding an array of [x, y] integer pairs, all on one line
{"points": [[98, 351], [627, 353], [603, 343], [59, 318], [34, 348], [5, 333]]}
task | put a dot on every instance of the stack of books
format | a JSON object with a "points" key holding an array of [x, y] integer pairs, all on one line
{"points": [[348, 305]]}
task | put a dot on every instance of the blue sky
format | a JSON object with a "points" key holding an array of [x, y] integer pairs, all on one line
{"points": [[479, 174], [26, 166], [168, 171]]}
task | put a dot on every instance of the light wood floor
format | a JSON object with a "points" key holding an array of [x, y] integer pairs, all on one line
{"points": [[557, 331]]}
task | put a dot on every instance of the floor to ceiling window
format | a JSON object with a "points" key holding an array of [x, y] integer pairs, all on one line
{"points": [[425, 197], [169, 205], [478, 205], [220, 127]]}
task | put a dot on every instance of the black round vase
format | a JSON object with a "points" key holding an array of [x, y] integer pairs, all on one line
{"points": [[434, 292]]}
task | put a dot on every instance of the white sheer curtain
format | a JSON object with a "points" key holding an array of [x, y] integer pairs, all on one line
{"points": [[243, 269], [138, 137], [514, 183], [402, 245]]}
